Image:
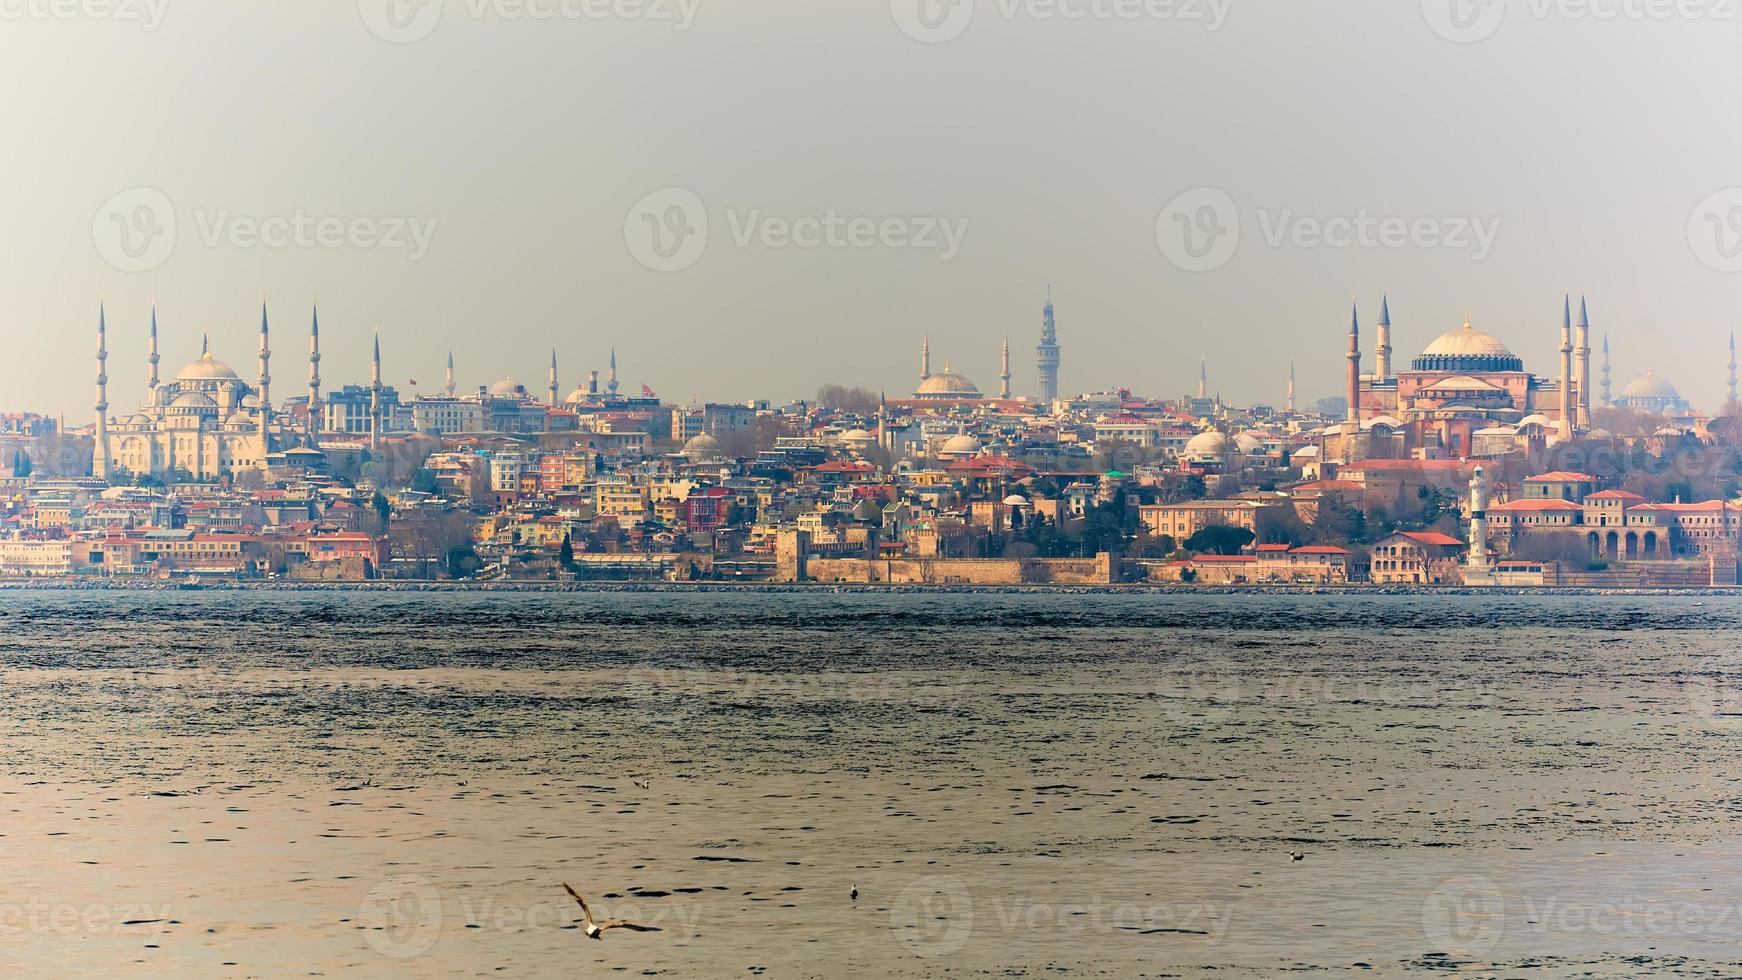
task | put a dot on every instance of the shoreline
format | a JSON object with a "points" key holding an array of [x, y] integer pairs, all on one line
{"points": [[825, 588]]}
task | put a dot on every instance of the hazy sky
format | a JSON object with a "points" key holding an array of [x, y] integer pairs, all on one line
{"points": [[523, 149]]}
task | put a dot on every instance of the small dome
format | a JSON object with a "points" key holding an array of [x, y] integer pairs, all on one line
{"points": [[703, 446], [1016, 500], [962, 445], [1541, 420], [193, 400], [858, 437], [1248, 443], [1384, 420], [207, 368], [578, 396], [1650, 386], [508, 388]]}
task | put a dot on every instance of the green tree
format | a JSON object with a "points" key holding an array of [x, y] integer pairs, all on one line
{"points": [[565, 555], [1219, 539], [383, 510]]}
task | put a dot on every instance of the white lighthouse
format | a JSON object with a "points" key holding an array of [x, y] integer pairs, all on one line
{"points": [[1478, 570]]}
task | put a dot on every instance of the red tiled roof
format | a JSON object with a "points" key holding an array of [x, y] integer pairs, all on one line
{"points": [[1527, 505], [1614, 495], [1320, 549], [1562, 476], [1432, 537], [1418, 465], [1225, 559]]}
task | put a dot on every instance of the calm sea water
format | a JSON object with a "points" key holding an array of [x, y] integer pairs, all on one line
{"points": [[277, 784]]}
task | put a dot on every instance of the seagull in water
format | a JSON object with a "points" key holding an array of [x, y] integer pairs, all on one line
{"points": [[854, 894], [1296, 856], [597, 930]]}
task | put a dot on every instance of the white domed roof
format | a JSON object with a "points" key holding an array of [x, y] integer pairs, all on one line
{"points": [[1210, 443], [207, 368], [1466, 341], [1541, 420], [1248, 443], [858, 436], [948, 385], [1016, 500], [507, 388], [194, 400], [703, 445], [962, 445], [1650, 386], [577, 396]]}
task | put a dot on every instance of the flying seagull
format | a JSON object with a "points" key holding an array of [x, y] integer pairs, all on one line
{"points": [[597, 930]]}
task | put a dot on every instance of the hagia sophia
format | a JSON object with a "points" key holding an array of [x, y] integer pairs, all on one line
{"points": [[1468, 394]]}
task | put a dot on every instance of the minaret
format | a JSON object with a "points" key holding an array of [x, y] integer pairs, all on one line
{"points": [[883, 420], [375, 396], [611, 379], [314, 374], [100, 455], [451, 388], [1582, 366], [1203, 377], [1567, 410], [151, 359], [265, 382], [553, 392], [925, 358], [1732, 365], [1047, 354], [593, 383], [1291, 386], [1606, 401], [1004, 377], [1354, 380], [1382, 361], [1478, 522]]}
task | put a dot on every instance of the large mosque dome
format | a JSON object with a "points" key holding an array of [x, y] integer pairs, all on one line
{"points": [[207, 368], [1468, 350], [947, 385], [1650, 386], [508, 388]]}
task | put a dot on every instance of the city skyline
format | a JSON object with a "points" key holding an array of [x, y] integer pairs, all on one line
{"points": [[520, 233]]}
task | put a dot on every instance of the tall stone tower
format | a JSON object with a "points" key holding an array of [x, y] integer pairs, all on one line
{"points": [[1478, 562], [1382, 357], [100, 457], [314, 375], [1582, 366], [1004, 374], [265, 416], [1568, 412], [1606, 399], [1354, 378], [1047, 354]]}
